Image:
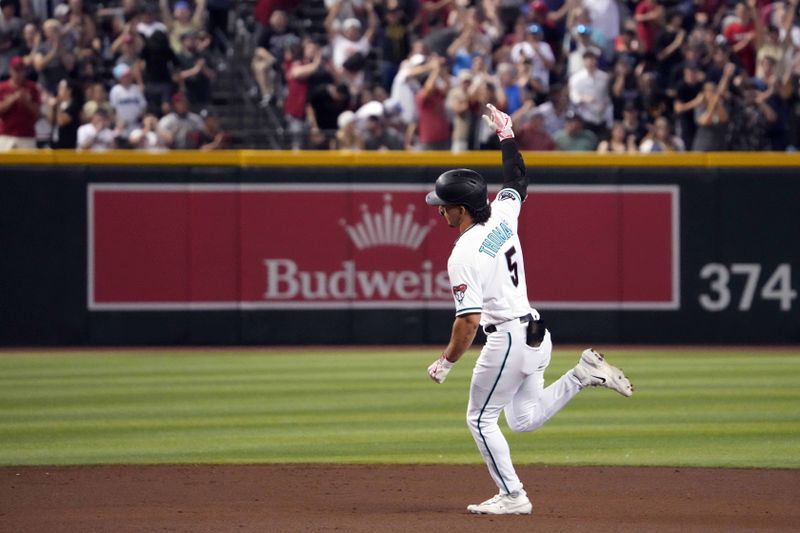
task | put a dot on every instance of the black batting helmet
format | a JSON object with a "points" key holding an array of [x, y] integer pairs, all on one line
{"points": [[460, 186]]}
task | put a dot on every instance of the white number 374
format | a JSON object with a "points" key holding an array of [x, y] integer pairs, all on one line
{"points": [[777, 287]]}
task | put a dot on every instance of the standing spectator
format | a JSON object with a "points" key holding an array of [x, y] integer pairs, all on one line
{"points": [[127, 99], [218, 12], [555, 109], [661, 139], [395, 42], [433, 126], [648, 16], [148, 23], [96, 135], [66, 114], [538, 55], [83, 26], [19, 108], [688, 97], [619, 142], [668, 47], [325, 103], [195, 72], [511, 87], [351, 48], [588, 92], [158, 62], [583, 44], [458, 105], [298, 67], [742, 34], [711, 115], [10, 35], [272, 41], [605, 18], [574, 138], [624, 86], [52, 60], [181, 20], [180, 129]]}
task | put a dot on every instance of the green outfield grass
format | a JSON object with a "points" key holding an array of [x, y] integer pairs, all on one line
{"points": [[691, 408]]}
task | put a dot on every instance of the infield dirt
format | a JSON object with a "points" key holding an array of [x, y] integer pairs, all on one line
{"points": [[374, 498]]}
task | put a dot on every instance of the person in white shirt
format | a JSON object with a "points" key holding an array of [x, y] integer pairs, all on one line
{"points": [[96, 135], [349, 47], [127, 99], [588, 93], [539, 54], [487, 274]]}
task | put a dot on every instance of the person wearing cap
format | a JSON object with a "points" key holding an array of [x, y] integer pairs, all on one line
{"points": [[433, 125], [346, 37], [181, 129], [20, 101], [127, 99], [181, 19], [538, 55]]}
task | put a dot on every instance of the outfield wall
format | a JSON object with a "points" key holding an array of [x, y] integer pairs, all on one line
{"points": [[246, 247]]}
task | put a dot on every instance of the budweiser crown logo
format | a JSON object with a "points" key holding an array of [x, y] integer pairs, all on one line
{"points": [[387, 228]]}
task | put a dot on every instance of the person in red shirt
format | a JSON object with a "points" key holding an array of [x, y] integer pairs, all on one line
{"points": [[742, 34], [19, 108], [297, 68], [648, 16], [432, 123]]}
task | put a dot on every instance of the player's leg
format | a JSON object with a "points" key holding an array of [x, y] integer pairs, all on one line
{"points": [[534, 404], [495, 379]]}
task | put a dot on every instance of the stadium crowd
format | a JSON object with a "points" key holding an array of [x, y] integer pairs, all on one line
{"points": [[93, 77], [604, 75]]}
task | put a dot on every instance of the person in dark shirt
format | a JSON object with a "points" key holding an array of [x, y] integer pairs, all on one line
{"points": [[687, 98], [325, 103], [379, 137], [668, 46], [158, 63], [196, 73], [395, 40], [66, 113]]}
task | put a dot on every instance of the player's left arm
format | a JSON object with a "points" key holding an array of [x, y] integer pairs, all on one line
{"points": [[513, 165], [465, 327]]}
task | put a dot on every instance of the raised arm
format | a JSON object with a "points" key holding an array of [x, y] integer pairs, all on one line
{"points": [[513, 165]]}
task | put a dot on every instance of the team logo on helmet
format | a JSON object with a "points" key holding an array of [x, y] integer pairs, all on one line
{"points": [[458, 292]]}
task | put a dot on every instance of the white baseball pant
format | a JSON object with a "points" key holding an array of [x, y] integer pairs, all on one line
{"points": [[509, 377]]}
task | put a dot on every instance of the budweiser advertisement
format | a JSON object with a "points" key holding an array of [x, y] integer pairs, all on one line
{"points": [[347, 246]]}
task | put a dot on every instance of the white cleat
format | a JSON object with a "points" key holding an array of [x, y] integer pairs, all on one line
{"points": [[515, 503], [593, 371]]}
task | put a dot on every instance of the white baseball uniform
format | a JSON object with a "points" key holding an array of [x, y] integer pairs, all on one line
{"points": [[487, 273]]}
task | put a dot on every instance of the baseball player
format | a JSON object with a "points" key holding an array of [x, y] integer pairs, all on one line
{"points": [[487, 273]]}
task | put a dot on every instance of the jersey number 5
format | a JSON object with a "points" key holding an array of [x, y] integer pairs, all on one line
{"points": [[512, 266]]}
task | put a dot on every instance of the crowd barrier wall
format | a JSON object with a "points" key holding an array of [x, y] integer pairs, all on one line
{"points": [[276, 248]]}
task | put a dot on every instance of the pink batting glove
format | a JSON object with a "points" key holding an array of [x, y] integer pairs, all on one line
{"points": [[500, 121]]}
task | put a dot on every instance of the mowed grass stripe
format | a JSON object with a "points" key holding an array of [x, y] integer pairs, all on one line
{"points": [[691, 408]]}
